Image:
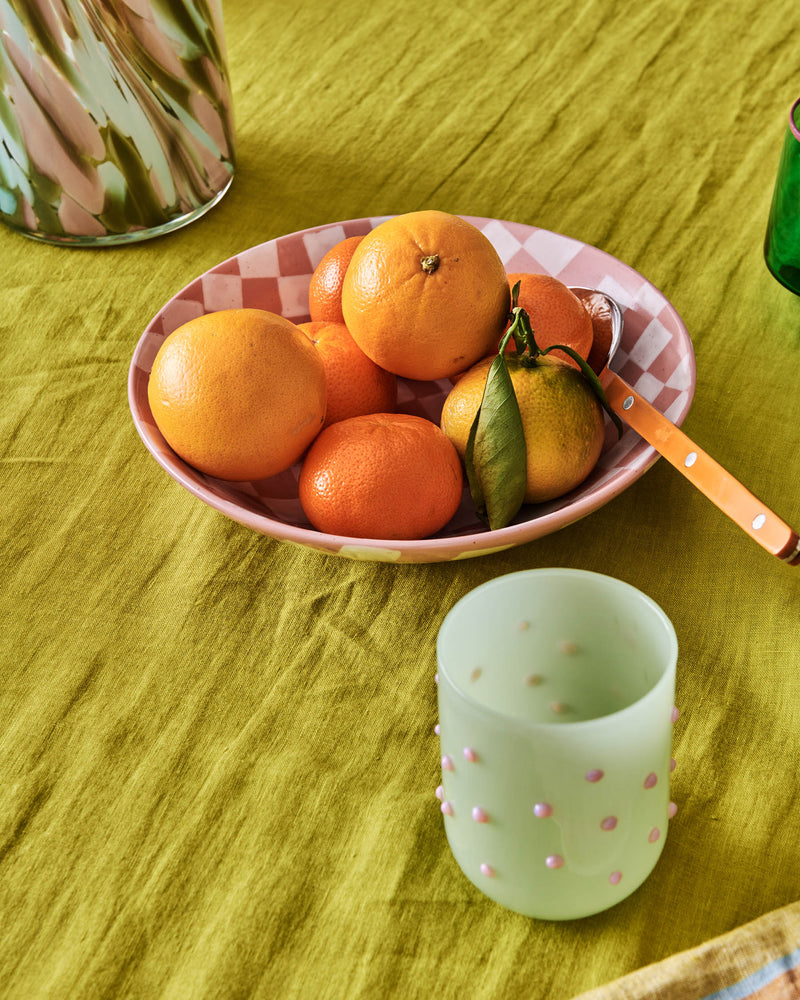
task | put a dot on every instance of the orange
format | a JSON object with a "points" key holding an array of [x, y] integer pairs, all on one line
{"points": [[325, 290], [355, 384], [239, 394], [597, 306], [425, 295], [383, 475], [557, 315], [561, 418]]}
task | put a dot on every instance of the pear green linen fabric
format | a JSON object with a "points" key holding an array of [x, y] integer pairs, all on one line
{"points": [[216, 750]]}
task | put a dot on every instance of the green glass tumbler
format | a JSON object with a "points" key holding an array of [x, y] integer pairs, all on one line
{"points": [[116, 119], [782, 244], [556, 692]]}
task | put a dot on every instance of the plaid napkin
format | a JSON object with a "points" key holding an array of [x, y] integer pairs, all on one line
{"points": [[758, 961]]}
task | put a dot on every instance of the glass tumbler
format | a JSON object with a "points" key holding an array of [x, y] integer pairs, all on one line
{"points": [[556, 692], [115, 117], [782, 244]]}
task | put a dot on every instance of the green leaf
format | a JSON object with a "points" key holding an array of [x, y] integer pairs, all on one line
{"points": [[496, 458], [592, 379]]}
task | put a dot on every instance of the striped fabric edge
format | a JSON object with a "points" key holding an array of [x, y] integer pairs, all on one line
{"points": [[776, 979], [758, 961]]}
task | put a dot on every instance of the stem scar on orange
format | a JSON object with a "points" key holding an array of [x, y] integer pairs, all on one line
{"points": [[238, 394], [383, 475], [425, 295], [355, 384]]}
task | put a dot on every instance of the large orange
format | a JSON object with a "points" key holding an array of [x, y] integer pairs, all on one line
{"points": [[425, 295], [239, 394], [561, 419], [325, 289], [557, 315], [384, 475], [356, 385]]}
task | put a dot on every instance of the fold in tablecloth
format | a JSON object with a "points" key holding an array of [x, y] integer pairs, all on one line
{"points": [[758, 961]]}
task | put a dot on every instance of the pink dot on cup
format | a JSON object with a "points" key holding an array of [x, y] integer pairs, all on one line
{"points": [[554, 861], [447, 763], [594, 775], [437, 729], [615, 878], [609, 823], [651, 780], [488, 871], [436, 678], [672, 810], [480, 815], [676, 713], [440, 792], [672, 764], [447, 809], [542, 810], [655, 833], [470, 755]]}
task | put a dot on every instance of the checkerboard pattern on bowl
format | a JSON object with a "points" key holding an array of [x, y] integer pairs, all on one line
{"points": [[655, 357]]}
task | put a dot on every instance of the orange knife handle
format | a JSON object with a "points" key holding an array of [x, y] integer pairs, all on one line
{"points": [[702, 471]]}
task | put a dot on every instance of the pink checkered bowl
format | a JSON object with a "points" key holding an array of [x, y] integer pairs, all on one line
{"points": [[655, 357]]}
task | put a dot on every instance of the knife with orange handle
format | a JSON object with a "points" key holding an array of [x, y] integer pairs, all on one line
{"points": [[715, 482]]}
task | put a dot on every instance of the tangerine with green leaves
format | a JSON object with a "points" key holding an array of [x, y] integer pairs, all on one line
{"points": [[425, 295], [562, 421]]}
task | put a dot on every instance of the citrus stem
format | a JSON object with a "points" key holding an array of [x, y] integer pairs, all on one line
{"points": [[506, 337], [430, 263], [522, 332]]}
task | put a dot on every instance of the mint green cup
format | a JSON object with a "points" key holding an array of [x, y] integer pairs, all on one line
{"points": [[556, 701]]}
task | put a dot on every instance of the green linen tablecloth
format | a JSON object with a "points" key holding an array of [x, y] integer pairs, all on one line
{"points": [[217, 757]]}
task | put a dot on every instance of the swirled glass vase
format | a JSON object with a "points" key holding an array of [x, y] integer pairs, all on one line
{"points": [[116, 119]]}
